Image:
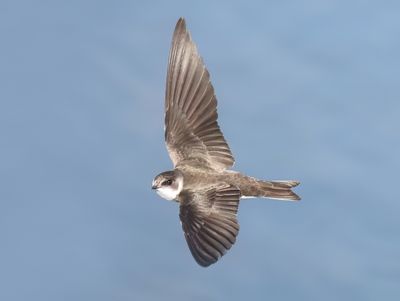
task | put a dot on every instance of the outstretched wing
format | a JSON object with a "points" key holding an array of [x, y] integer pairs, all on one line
{"points": [[191, 129], [209, 222]]}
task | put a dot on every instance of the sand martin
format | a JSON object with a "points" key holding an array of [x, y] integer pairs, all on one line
{"points": [[207, 192]]}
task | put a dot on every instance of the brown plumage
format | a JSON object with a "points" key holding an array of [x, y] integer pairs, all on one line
{"points": [[207, 192], [192, 131]]}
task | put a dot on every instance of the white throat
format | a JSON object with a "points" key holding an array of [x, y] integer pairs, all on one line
{"points": [[170, 192]]}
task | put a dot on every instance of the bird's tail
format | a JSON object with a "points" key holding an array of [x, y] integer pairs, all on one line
{"points": [[280, 190]]}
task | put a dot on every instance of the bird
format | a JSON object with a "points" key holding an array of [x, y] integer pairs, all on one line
{"points": [[202, 182]]}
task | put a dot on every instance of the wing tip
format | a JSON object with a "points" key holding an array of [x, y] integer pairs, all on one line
{"points": [[181, 23], [180, 31]]}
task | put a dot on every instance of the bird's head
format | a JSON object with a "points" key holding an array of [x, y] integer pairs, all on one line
{"points": [[168, 184]]}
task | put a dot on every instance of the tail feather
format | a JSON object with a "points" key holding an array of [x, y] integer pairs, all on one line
{"points": [[281, 190]]}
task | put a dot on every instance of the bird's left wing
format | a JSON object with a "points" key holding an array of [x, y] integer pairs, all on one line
{"points": [[192, 133], [209, 222]]}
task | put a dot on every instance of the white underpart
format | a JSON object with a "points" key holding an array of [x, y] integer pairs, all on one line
{"points": [[167, 193], [170, 193]]}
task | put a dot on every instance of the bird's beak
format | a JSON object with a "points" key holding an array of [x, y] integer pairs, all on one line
{"points": [[154, 186]]}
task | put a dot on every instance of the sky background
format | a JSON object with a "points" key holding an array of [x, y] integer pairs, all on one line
{"points": [[307, 90]]}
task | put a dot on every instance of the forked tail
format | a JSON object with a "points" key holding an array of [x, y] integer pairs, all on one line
{"points": [[281, 190]]}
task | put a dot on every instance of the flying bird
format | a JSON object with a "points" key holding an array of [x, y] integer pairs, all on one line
{"points": [[207, 191]]}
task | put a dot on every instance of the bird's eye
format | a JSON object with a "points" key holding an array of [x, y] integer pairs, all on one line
{"points": [[166, 182]]}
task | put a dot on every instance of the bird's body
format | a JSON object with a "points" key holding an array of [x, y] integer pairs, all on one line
{"points": [[201, 182], [197, 177]]}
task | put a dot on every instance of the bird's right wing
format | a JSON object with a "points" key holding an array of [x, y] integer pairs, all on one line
{"points": [[192, 133], [209, 222]]}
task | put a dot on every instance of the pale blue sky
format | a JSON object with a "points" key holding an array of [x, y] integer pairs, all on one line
{"points": [[307, 90]]}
